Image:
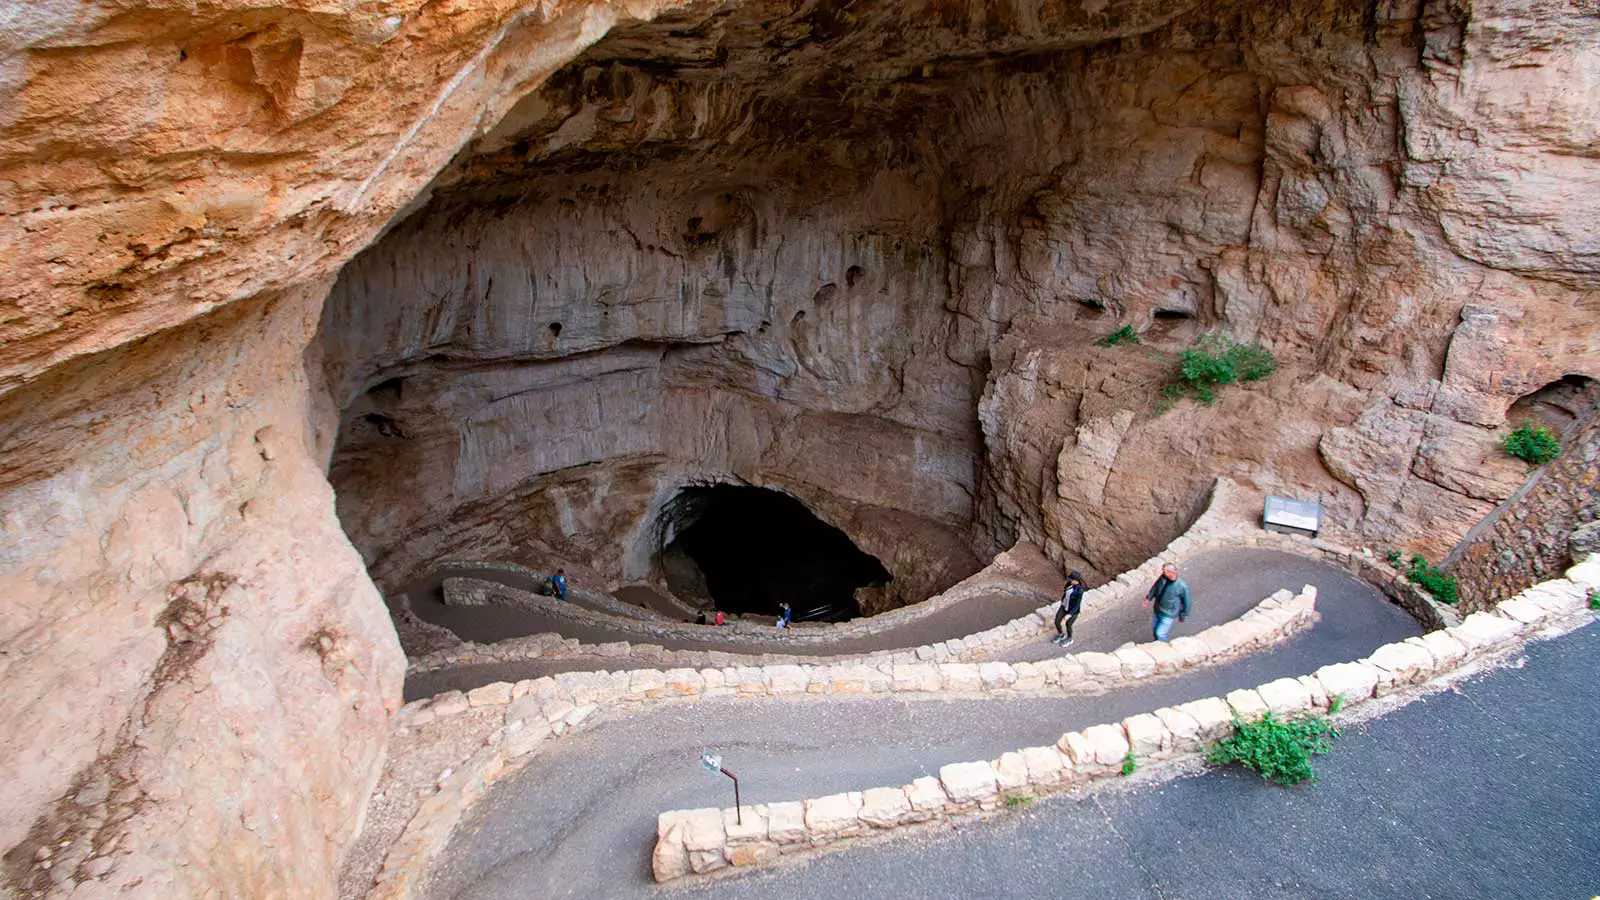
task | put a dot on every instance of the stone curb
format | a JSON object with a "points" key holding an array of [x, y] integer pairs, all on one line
{"points": [[699, 842], [552, 706], [1206, 533]]}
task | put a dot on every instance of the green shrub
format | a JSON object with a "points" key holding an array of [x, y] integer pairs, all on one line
{"points": [[1123, 335], [1215, 360], [1279, 751], [1335, 704], [1018, 801], [1532, 444], [1393, 556], [1441, 586], [1129, 764], [1594, 599]]}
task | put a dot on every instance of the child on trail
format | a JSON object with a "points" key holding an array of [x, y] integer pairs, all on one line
{"points": [[1071, 605]]}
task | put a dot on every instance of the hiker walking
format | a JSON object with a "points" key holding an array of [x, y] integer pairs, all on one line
{"points": [[1170, 597], [1071, 605], [558, 584], [785, 615]]}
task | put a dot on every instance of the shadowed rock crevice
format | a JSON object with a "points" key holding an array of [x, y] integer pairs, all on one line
{"points": [[754, 548]]}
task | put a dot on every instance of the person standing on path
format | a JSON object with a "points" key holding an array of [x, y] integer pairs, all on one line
{"points": [[785, 615], [1170, 596], [558, 584], [1071, 605]]}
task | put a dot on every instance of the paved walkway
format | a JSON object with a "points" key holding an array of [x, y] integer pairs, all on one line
{"points": [[1222, 583], [580, 820], [1483, 792]]}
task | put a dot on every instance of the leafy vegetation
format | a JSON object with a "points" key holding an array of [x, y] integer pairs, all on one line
{"points": [[1123, 335], [1393, 556], [1532, 444], [1216, 360], [1594, 599], [1441, 586], [1129, 764], [1335, 704], [1018, 801], [1277, 750]]}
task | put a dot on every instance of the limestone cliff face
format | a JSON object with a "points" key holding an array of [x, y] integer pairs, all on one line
{"points": [[858, 251]]}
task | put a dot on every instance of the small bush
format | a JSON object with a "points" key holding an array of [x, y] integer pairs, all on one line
{"points": [[1123, 335], [1129, 764], [1335, 704], [1393, 556], [1018, 801], [1594, 599], [1532, 444], [1279, 751], [1216, 360], [1441, 586]]}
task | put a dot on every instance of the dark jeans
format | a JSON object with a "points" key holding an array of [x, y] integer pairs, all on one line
{"points": [[1061, 613]]}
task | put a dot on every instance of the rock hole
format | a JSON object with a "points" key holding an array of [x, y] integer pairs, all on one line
{"points": [[555, 329], [853, 276], [746, 549]]}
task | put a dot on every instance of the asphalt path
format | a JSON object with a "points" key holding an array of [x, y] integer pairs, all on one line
{"points": [[579, 821], [1485, 791], [1223, 584]]}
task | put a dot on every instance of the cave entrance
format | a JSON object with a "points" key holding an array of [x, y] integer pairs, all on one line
{"points": [[746, 549]]}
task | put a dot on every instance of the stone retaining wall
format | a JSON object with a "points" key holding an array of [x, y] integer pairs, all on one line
{"points": [[1526, 539], [700, 841], [549, 707]]}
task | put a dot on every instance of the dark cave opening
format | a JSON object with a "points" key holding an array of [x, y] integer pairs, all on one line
{"points": [[755, 548]]}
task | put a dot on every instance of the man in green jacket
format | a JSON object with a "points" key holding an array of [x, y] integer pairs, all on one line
{"points": [[1170, 596]]}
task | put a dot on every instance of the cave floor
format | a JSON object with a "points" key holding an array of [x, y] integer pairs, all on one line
{"points": [[580, 820], [1223, 585]]}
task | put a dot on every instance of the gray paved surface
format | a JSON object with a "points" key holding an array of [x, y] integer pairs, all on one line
{"points": [[1483, 793], [1223, 584], [579, 822]]}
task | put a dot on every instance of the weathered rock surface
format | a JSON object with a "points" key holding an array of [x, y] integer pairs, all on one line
{"points": [[860, 253]]}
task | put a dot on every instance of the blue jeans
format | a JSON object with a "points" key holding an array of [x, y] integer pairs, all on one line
{"points": [[1162, 626]]}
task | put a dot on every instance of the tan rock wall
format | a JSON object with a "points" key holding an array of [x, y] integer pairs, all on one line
{"points": [[200, 675]]}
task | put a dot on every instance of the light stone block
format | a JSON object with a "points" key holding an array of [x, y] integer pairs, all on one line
{"points": [[832, 814], [787, 680], [1108, 744], [1408, 663], [1184, 728], [1191, 650], [702, 829], [1213, 715], [786, 822], [497, 694], [1011, 771], [1103, 666], [1147, 737], [884, 807], [669, 860], [926, 795], [1246, 704], [1353, 681], [1166, 657], [969, 782], [753, 826], [1046, 765], [1135, 663], [997, 675], [1525, 611], [1482, 631], [1286, 697], [1446, 651], [960, 677]]}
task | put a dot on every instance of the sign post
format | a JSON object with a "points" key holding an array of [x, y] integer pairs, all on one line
{"points": [[713, 764]]}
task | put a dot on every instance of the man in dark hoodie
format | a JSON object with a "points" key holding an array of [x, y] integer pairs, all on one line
{"points": [[1071, 605], [1170, 597]]}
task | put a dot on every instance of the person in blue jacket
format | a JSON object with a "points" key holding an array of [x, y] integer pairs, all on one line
{"points": [[558, 584]]}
